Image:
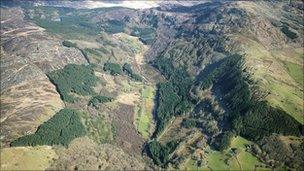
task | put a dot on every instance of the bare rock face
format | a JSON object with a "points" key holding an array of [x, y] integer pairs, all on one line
{"points": [[84, 154], [28, 98]]}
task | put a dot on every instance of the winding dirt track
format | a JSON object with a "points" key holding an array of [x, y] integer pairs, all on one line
{"points": [[22, 31]]}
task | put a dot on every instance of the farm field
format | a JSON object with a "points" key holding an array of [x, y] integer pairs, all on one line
{"points": [[144, 111], [216, 160]]}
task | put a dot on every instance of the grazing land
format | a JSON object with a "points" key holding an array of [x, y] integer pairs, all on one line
{"points": [[144, 112], [27, 158]]}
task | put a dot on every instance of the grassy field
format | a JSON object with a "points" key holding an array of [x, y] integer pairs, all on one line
{"points": [[295, 71], [278, 72], [216, 160], [246, 160], [144, 111], [288, 99], [27, 158]]}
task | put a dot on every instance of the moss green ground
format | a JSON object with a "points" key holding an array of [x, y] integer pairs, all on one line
{"points": [[295, 71], [246, 160], [144, 111], [225, 161], [98, 128]]}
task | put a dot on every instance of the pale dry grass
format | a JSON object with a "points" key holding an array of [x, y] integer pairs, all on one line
{"points": [[128, 98], [85, 154], [22, 31], [27, 158], [27, 105], [86, 44]]}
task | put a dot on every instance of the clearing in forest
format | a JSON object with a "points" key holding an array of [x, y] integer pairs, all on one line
{"points": [[143, 112], [228, 160]]}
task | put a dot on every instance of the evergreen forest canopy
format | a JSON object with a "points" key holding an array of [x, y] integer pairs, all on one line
{"points": [[78, 79], [95, 100], [173, 96], [61, 129]]}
